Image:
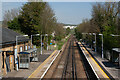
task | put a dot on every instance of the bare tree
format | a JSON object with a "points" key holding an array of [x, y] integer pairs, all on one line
{"points": [[48, 20], [10, 15], [104, 14]]}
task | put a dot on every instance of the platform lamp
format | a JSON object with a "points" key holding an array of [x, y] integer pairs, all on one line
{"points": [[119, 53], [16, 59], [95, 41], [91, 39], [32, 36], [41, 42], [84, 33], [47, 40], [114, 35], [102, 45]]}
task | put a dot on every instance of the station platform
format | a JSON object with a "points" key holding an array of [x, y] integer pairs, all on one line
{"points": [[36, 70], [42, 69], [98, 64]]}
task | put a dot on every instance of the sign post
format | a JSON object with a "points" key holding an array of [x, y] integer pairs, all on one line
{"points": [[50, 45]]}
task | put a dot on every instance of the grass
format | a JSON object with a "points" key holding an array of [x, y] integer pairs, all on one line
{"points": [[61, 43]]}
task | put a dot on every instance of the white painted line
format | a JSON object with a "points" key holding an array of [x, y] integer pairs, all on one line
{"points": [[49, 66], [90, 64]]}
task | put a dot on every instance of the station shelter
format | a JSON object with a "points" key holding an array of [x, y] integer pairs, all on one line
{"points": [[116, 55]]}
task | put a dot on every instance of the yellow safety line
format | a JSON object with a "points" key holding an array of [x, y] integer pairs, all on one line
{"points": [[104, 74], [41, 65]]}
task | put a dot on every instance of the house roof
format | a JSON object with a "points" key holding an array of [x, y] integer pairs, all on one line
{"points": [[9, 36]]}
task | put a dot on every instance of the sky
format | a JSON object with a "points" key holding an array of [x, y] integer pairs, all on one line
{"points": [[8, 6], [65, 12], [71, 12]]}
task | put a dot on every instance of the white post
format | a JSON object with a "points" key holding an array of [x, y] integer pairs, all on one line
{"points": [[102, 47], [31, 41], [95, 43], [47, 42], [16, 61], [91, 40], [41, 43]]}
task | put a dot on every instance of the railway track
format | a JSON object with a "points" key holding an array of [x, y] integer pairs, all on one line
{"points": [[70, 64]]}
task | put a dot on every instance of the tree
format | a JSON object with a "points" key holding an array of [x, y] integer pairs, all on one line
{"points": [[14, 24], [104, 15], [59, 31], [104, 20], [10, 15], [48, 20], [31, 16], [68, 31], [37, 17]]}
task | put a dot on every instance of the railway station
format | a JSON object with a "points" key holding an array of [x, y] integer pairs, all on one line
{"points": [[42, 40], [74, 61]]}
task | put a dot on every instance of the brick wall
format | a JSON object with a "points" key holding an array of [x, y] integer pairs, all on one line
{"points": [[0, 64], [11, 59]]}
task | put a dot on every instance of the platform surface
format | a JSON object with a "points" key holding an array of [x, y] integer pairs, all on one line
{"points": [[100, 73]]}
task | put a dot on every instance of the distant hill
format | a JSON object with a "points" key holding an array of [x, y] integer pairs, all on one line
{"points": [[69, 24]]}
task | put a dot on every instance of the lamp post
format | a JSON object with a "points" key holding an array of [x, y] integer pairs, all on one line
{"points": [[16, 59], [95, 41], [47, 40], [31, 41], [41, 43], [114, 35], [32, 36], [84, 33], [91, 40], [118, 49], [102, 45]]}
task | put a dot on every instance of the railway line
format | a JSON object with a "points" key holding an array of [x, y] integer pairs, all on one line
{"points": [[70, 64]]}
